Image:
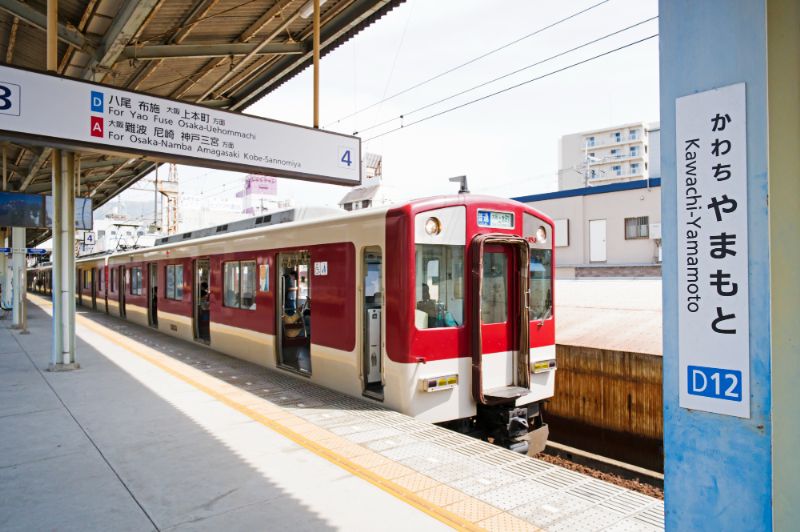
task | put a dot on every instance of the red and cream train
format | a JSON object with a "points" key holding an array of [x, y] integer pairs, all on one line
{"points": [[423, 306]]}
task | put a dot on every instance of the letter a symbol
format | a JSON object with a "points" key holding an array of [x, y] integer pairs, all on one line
{"points": [[96, 128]]}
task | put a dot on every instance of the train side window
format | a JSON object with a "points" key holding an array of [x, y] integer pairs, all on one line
{"points": [[174, 288], [136, 281], [179, 282], [439, 286], [113, 280], [232, 295], [248, 290], [240, 284]]}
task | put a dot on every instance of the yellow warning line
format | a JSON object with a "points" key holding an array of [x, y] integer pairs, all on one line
{"points": [[153, 357]]}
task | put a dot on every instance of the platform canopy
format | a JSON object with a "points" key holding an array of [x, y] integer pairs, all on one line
{"points": [[221, 53]]}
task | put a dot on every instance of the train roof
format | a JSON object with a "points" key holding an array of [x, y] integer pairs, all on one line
{"points": [[304, 216], [292, 214]]}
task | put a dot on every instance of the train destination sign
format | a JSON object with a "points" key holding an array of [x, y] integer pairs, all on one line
{"points": [[713, 305], [50, 110]]}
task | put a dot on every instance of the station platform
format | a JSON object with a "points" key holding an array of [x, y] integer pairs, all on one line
{"points": [[154, 433]]}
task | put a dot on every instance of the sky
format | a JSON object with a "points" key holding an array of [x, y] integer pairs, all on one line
{"points": [[506, 145]]}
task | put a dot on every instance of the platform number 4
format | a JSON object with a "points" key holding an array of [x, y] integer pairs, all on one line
{"points": [[345, 157]]}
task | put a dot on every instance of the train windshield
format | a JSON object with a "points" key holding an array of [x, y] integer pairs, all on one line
{"points": [[439, 286], [540, 299]]}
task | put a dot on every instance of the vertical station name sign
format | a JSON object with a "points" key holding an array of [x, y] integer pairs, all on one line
{"points": [[713, 305], [55, 111]]}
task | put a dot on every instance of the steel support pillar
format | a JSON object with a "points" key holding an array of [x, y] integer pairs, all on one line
{"points": [[63, 357], [19, 282], [5, 274]]}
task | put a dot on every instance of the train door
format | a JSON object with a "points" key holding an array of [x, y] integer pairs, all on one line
{"points": [[81, 280], [93, 273], [104, 284], [152, 290], [200, 300], [372, 316], [499, 343], [293, 311], [123, 274]]}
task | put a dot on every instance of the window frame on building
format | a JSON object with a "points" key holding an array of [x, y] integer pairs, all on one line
{"points": [[635, 169], [617, 169], [637, 227]]}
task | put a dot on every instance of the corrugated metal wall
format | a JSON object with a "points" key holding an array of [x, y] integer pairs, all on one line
{"points": [[613, 390]]}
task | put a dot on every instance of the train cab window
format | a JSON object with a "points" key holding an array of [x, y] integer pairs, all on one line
{"points": [[540, 299], [494, 293], [174, 282], [439, 286], [240, 285]]}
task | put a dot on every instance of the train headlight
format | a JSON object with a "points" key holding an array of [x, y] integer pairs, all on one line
{"points": [[433, 226], [435, 384], [541, 234], [543, 365]]}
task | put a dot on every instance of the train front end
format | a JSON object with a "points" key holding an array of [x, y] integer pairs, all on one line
{"points": [[470, 328]]}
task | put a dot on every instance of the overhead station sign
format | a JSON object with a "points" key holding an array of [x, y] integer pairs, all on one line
{"points": [[51, 110], [713, 305]]}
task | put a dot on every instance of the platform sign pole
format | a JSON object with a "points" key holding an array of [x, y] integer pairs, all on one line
{"points": [[5, 272], [66, 213], [58, 267], [730, 127], [18, 283]]}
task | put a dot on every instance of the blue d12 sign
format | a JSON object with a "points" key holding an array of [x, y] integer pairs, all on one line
{"points": [[715, 383], [97, 102]]}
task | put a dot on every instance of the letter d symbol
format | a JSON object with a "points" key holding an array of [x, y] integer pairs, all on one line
{"points": [[696, 383]]}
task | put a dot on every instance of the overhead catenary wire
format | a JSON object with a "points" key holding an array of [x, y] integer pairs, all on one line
{"points": [[471, 61], [504, 76], [512, 87]]}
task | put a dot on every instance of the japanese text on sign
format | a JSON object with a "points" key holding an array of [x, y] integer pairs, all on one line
{"points": [[112, 120], [713, 317]]}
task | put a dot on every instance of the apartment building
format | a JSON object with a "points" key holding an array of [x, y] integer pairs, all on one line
{"points": [[607, 210]]}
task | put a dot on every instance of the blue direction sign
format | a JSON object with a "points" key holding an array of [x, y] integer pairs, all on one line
{"points": [[5, 250], [36, 251]]}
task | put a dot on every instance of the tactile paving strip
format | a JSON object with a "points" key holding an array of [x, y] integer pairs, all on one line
{"points": [[473, 477]]}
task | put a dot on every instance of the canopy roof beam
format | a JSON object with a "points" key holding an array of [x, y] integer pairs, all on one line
{"points": [[173, 51], [31, 15]]}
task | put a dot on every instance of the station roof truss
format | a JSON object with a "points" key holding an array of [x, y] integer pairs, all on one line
{"points": [[221, 53]]}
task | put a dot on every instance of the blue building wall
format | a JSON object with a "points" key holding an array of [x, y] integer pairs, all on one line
{"points": [[717, 468]]}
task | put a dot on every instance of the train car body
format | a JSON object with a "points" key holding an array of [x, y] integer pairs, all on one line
{"points": [[440, 308]]}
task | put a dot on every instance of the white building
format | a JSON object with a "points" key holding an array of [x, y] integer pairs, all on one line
{"points": [[607, 210], [372, 191], [609, 155]]}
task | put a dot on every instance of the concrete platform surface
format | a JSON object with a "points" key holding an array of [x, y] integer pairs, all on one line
{"points": [[157, 433]]}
